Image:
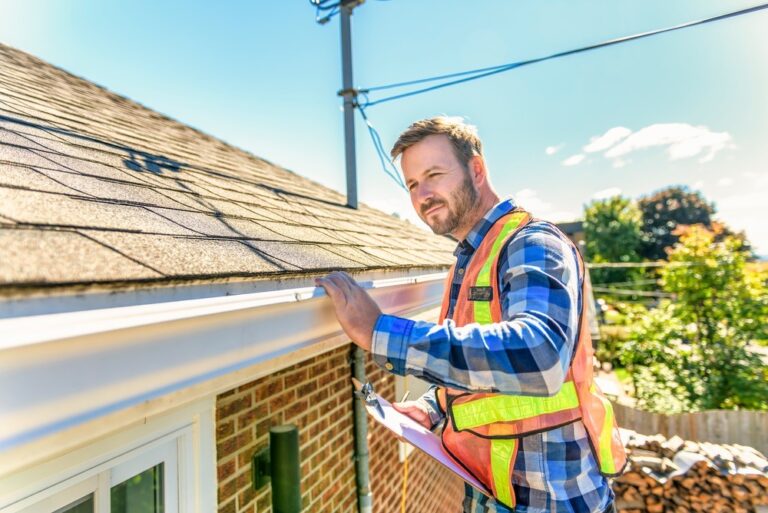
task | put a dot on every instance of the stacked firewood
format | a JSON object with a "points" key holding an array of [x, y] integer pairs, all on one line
{"points": [[676, 476]]}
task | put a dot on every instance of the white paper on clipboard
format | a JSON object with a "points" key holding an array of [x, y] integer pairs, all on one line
{"points": [[421, 438]]}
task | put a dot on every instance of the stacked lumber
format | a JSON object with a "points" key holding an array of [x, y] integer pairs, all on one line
{"points": [[676, 476]]}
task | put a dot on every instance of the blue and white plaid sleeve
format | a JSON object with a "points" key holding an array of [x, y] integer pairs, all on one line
{"points": [[528, 353]]}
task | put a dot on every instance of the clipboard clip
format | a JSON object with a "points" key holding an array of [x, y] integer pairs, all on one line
{"points": [[368, 395]]}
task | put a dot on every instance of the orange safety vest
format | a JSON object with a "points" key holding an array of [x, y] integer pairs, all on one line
{"points": [[481, 430]]}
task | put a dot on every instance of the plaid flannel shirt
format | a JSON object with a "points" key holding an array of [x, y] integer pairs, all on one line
{"points": [[528, 353]]}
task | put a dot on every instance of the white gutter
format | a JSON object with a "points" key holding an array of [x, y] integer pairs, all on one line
{"points": [[62, 370]]}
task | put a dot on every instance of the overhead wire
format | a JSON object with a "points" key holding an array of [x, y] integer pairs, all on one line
{"points": [[479, 73], [386, 162], [328, 5], [325, 6], [630, 292]]}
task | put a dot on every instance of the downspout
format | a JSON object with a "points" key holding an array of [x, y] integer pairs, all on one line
{"points": [[364, 496]]}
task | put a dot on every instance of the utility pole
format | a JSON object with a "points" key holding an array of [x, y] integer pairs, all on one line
{"points": [[357, 356], [349, 93]]}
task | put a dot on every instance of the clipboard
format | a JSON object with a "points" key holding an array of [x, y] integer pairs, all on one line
{"points": [[411, 432]]}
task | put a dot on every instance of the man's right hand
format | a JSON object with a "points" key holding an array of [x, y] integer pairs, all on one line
{"points": [[415, 410]]}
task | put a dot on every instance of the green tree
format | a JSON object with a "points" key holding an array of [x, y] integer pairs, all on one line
{"points": [[665, 210], [715, 296], [612, 229], [694, 353]]}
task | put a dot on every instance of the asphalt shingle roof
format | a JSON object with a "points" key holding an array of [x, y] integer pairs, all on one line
{"points": [[95, 188]]}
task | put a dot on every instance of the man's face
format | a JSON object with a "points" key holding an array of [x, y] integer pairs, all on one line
{"points": [[442, 190]]}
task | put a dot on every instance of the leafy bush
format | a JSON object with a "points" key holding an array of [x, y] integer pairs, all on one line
{"points": [[693, 353]]}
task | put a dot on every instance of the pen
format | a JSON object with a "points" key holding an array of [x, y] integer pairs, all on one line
{"points": [[405, 396]]}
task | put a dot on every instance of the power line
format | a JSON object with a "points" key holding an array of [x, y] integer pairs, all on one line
{"points": [[493, 70], [636, 282], [332, 8], [624, 265], [629, 292], [386, 163]]}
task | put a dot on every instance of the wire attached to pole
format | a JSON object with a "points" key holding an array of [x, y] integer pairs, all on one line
{"points": [[479, 73], [386, 163]]}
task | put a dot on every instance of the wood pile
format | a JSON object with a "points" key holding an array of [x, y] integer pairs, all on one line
{"points": [[676, 476]]}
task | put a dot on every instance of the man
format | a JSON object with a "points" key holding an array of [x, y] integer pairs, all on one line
{"points": [[510, 349]]}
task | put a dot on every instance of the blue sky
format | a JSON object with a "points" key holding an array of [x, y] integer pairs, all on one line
{"points": [[683, 108]]}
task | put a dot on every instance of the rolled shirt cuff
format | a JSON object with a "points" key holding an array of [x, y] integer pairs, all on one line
{"points": [[389, 346]]}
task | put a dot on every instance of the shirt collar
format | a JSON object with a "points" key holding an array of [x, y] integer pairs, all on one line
{"points": [[476, 234]]}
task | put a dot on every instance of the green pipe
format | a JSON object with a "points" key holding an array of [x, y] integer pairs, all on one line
{"points": [[364, 496], [286, 474]]}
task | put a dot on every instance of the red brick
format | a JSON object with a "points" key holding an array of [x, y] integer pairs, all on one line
{"points": [[262, 427], [319, 368], [296, 377], [295, 409], [246, 497], [282, 400], [225, 409], [226, 490], [225, 429], [268, 389], [225, 470], [326, 435], [233, 444], [256, 412], [229, 507]]}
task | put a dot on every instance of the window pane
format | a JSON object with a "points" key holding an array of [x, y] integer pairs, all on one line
{"points": [[142, 493], [83, 505]]}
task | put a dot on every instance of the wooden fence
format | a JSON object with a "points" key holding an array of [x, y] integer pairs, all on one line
{"points": [[716, 426]]}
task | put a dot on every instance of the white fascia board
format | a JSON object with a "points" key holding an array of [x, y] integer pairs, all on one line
{"points": [[58, 371]]}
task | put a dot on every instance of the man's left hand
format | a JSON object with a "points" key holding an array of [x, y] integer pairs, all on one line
{"points": [[356, 311]]}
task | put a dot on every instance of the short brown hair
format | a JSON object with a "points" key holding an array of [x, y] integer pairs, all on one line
{"points": [[464, 139]]}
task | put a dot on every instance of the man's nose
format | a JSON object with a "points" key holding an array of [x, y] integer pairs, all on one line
{"points": [[423, 193]]}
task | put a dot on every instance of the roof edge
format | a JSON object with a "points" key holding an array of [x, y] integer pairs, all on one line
{"points": [[126, 357], [20, 301]]}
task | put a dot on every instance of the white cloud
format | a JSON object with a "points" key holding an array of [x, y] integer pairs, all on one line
{"points": [[698, 184], [608, 139], [681, 139], [725, 182], [619, 163], [551, 150], [530, 200], [573, 160], [607, 193]]}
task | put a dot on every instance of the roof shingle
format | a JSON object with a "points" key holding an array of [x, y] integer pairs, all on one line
{"points": [[97, 188]]}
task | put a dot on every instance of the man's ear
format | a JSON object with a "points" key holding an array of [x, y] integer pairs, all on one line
{"points": [[478, 170]]}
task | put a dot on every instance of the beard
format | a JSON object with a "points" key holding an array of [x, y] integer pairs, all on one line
{"points": [[460, 203]]}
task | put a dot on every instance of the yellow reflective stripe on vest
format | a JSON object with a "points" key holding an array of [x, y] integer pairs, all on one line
{"points": [[607, 465], [502, 452], [482, 309], [509, 408]]}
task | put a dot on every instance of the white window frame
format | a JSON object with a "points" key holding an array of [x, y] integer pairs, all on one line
{"points": [[184, 440], [67, 497]]}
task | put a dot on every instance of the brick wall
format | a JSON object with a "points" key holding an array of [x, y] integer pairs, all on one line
{"points": [[430, 487], [315, 395]]}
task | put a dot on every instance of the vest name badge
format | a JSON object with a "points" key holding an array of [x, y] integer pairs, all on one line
{"points": [[480, 293]]}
